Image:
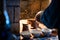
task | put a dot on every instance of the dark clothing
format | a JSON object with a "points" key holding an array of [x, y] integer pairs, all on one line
{"points": [[51, 16], [3, 32]]}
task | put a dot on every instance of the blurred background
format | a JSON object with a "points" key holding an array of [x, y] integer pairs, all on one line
{"points": [[21, 13], [29, 8]]}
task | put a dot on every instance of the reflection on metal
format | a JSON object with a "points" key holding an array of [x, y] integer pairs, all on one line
{"points": [[6, 16]]}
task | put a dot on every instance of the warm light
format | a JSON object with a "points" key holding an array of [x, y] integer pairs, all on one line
{"points": [[21, 24], [38, 28], [42, 26], [29, 26], [31, 36], [21, 37]]}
